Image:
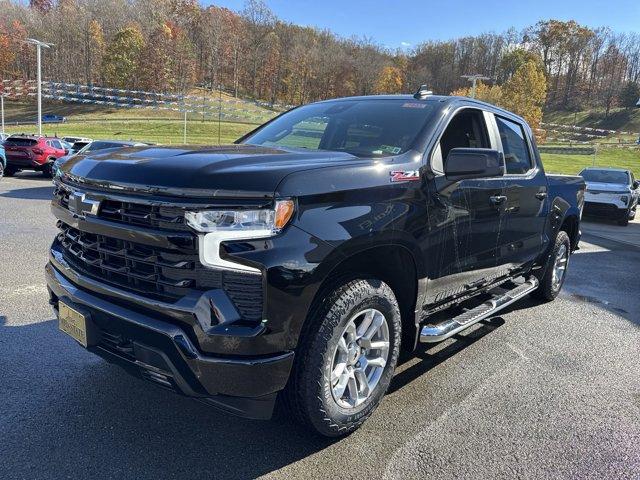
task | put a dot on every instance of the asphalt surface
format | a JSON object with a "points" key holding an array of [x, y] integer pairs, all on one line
{"points": [[542, 391]]}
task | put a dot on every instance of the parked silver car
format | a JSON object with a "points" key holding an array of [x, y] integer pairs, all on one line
{"points": [[611, 193]]}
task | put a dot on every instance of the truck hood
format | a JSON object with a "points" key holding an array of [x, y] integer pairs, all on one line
{"points": [[607, 187], [224, 171]]}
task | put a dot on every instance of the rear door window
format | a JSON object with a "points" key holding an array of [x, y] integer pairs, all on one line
{"points": [[514, 145]]}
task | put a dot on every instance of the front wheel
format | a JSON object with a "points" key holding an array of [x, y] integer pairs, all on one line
{"points": [[47, 170], [346, 358], [556, 269], [623, 222], [1, 169]]}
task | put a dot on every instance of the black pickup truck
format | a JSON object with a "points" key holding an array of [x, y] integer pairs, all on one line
{"points": [[291, 267]]}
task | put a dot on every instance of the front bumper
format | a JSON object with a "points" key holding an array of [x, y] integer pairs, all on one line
{"points": [[23, 162], [613, 211], [162, 352]]}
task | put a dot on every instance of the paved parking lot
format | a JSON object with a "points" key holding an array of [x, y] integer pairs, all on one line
{"points": [[544, 390]]}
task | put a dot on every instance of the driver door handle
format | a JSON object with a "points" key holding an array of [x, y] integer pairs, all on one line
{"points": [[541, 195], [498, 199]]}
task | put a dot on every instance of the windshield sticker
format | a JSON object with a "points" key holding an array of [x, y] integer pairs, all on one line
{"points": [[390, 149]]}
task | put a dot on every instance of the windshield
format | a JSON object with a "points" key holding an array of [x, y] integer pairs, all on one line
{"points": [[375, 127], [93, 146], [20, 142], [605, 176]]}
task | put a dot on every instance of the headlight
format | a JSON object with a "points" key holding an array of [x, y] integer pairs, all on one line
{"points": [[217, 226], [255, 223], [624, 199]]}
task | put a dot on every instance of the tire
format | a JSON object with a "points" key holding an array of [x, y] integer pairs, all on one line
{"points": [[623, 222], [9, 172], [47, 170], [1, 169], [550, 288], [310, 395]]}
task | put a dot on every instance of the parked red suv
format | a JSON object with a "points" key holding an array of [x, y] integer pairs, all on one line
{"points": [[32, 152]]}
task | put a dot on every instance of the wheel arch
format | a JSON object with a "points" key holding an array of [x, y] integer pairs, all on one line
{"points": [[393, 263], [571, 225]]}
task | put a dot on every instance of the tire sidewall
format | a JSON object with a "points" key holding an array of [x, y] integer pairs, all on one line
{"points": [[376, 295]]}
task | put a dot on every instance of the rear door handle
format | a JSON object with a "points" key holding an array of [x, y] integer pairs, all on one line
{"points": [[541, 195], [498, 199]]}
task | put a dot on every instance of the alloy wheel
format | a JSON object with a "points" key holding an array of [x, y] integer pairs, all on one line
{"points": [[359, 358]]}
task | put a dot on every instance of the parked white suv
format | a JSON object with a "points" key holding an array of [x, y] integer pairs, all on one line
{"points": [[611, 192]]}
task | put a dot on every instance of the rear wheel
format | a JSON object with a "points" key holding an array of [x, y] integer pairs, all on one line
{"points": [[556, 269], [9, 172], [346, 358]]}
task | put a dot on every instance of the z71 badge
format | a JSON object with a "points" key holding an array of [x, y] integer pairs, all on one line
{"points": [[404, 175]]}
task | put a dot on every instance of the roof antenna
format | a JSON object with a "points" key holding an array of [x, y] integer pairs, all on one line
{"points": [[422, 92]]}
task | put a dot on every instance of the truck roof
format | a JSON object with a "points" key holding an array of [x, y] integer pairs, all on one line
{"points": [[442, 99]]}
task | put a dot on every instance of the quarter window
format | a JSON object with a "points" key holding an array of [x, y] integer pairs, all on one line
{"points": [[514, 145]]}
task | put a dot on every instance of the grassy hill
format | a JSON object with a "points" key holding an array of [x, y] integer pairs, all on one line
{"points": [[157, 126], [166, 127], [618, 119]]}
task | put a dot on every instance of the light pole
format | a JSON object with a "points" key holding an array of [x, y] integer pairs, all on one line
{"points": [[474, 79], [2, 110], [39, 46]]}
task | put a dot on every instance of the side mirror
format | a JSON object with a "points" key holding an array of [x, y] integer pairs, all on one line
{"points": [[66, 151], [463, 163], [636, 184]]}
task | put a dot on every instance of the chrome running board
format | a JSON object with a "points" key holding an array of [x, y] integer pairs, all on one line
{"points": [[448, 328]]}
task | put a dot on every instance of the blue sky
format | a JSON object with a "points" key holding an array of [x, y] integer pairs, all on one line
{"points": [[408, 22]]}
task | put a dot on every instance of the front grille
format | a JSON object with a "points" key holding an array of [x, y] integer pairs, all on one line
{"points": [[162, 274], [132, 213]]}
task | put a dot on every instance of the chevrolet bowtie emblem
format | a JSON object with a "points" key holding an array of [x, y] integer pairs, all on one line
{"points": [[81, 205]]}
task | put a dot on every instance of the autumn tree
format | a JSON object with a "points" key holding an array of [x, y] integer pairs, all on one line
{"points": [[42, 6], [94, 51], [525, 93], [122, 56], [154, 66], [630, 95], [513, 59], [389, 80], [486, 93], [260, 21], [7, 54]]}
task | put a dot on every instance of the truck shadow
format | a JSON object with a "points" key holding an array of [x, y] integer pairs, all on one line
{"points": [[74, 412], [432, 355], [33, 193], [70, 412]]}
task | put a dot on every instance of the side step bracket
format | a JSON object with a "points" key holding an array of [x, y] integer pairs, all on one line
{"points": [[448, 328]]}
